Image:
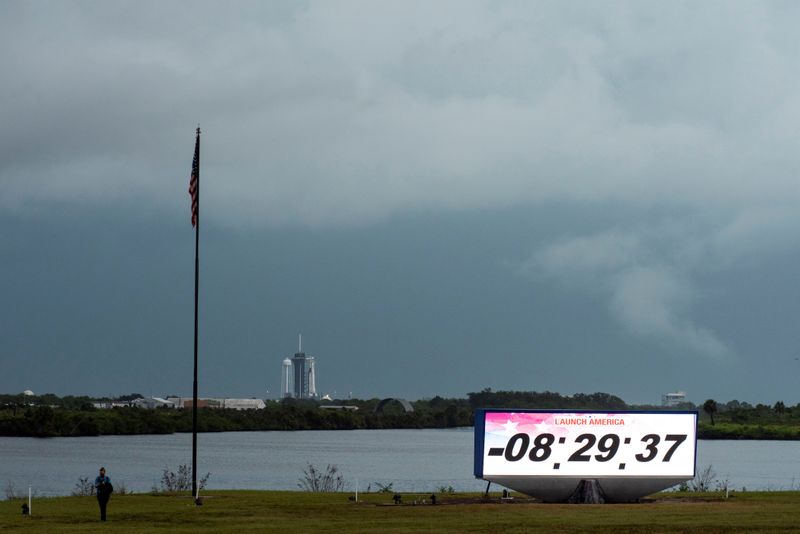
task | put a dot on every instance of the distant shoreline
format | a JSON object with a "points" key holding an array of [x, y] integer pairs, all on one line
{"points": [[51, 416]]}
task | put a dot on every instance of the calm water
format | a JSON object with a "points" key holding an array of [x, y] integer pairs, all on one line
{"points": [[413, 460]]}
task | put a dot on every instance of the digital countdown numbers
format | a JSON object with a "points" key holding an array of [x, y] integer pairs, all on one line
{"points": [[586, 444]]}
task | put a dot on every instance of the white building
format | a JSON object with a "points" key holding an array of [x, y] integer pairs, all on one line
{"points": [[152, 402], [312, 378], [673, 399], [229, 404], [286, 378], [243, 404]]}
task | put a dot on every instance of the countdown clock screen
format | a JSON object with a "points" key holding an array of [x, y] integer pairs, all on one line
{"points": [[585, 444]]}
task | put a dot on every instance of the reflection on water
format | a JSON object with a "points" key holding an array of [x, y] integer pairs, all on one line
{"points": [[412, 460]]}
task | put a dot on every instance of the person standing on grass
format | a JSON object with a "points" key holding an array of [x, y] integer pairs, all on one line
{"points": [[104, 488]]}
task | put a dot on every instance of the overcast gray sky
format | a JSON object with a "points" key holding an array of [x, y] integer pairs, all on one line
{"points": [[441, 196]]}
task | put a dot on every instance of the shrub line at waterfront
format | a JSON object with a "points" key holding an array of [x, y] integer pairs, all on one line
{"points": [[51, 416]]}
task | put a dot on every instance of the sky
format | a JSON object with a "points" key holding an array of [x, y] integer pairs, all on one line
{"points": [[440, 196]]}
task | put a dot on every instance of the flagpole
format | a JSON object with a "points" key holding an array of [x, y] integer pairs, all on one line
{"points": [[196, 215]]}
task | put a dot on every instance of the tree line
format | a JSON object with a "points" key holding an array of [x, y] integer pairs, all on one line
{"points": [[49, 415], [741, 420]]}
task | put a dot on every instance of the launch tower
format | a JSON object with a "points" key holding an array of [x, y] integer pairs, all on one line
{"points": [[304, 383]]}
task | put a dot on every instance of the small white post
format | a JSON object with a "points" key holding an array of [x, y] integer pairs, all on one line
{"points": [[29, 501], [356, 490]]}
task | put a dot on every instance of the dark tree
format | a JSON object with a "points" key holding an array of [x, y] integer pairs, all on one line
{"points": [[710, 407]]}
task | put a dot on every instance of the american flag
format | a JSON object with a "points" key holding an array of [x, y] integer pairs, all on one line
{"points": [[193, 181]]}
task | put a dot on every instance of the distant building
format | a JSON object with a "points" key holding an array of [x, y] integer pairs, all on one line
{"points": [[243, 404], [227, 404], [673, 399], [286, 378], [304, 380], [152, 403], [188, 402], [111, 404]]}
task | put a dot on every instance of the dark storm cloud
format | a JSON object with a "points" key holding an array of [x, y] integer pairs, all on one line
{"points": [[345, 116], [350, 111]]}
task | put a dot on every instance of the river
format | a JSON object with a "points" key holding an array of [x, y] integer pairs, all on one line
{"points": [[410, 460]]}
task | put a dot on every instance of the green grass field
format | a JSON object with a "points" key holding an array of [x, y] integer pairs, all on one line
{"points": [[274, 511]]}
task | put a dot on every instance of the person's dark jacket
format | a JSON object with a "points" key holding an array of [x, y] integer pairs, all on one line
{"points": [[103, 487]]}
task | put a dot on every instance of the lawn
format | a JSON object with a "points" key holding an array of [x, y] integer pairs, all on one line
{"points": [[275, 511]]}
